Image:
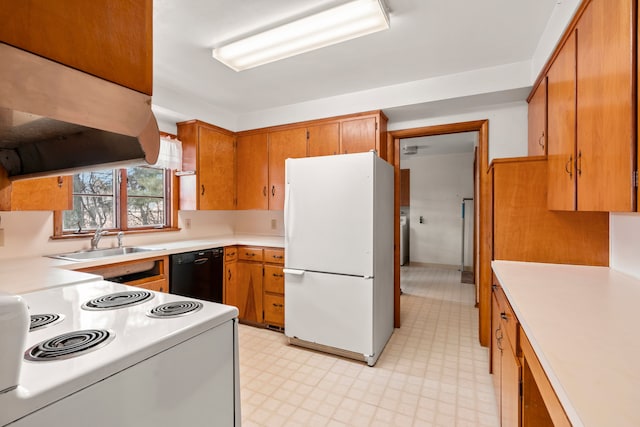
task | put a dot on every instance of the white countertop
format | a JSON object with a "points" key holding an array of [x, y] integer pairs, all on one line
{"points": [[21, 275], [583, 325]]}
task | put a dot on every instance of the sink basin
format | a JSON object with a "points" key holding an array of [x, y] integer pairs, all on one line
{"points": [[101, 253]]}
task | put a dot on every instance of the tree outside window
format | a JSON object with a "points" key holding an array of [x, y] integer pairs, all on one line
{"points": [[118, 199]]}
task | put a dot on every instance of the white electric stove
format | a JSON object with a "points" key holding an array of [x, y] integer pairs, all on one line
{"points": [[151, 359]]}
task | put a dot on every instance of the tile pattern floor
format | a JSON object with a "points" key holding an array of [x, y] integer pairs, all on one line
{"points": [[433, 372]]}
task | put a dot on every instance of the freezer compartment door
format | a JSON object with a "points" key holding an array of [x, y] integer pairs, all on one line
{"points": [[330, 309], [329, 214]]}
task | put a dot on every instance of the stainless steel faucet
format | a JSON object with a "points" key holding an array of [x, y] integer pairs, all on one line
{"points": [[96, 238], [120, 236]]}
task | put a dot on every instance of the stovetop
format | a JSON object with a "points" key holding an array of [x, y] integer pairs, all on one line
{"points": [[133, 333]]}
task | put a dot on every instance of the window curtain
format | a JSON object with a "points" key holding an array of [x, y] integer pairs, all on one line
{"points": [[170, 156]]}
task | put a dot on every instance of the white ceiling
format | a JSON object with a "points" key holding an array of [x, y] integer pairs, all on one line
{"points": [[427, 38]]}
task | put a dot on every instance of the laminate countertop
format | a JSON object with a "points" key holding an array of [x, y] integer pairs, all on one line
{"points": [[28, 274], [583, 325]]}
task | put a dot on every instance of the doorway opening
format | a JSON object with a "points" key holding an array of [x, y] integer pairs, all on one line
{"points": [[481, 235]]}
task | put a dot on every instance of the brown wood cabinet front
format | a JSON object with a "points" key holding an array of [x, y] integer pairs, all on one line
{"points": [[285, 144], [274, 287], [249, 291], [230, 295], [147, 273], [41, 194], [324, 139], [253, 171], [358, 135], [592, 143], [111, 40], [605, 116], [208, 151], [537, 119], [405, 187]]}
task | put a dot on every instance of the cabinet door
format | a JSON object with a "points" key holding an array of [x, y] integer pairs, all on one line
{"points": [[216, 170], [274, 309], [286, 144], [253, 171], [42, 194], [561, 90], [111, 40], [249, 291], [605, 120], [358, 135], [510, 387], [324, 140], [231, 284], [496, 346], [538, 120], [405, 187]]}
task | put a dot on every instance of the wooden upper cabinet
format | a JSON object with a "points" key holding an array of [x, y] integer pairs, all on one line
{"points": [[358, 135], [111, 40], [253, 171], [538, 120], [41, 194], [561, 90], [285, 144], [324, 139], [591, 112], [606, 105], [209, 151]]}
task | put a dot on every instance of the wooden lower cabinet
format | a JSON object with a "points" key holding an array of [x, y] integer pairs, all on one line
{"points": [[524, 394], [505, 364], [147, 273], [254, 283], [249, 291]]}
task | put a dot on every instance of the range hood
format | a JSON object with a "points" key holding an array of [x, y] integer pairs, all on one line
{"points": [[56, 120]]}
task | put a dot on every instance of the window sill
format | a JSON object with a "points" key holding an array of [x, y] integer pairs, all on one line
{"points": [[112, 232]]}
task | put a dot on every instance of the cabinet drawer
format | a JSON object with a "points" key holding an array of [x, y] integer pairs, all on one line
{"points": [[273, 279], [230, 253], [159, 285], [274, 310], [508, 320], [274, 256], [250, 254]]}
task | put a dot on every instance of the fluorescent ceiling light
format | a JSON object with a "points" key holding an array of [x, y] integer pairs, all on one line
{"points": [[348, 21]]}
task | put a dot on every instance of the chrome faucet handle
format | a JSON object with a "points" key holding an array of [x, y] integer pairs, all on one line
{"points": [[120, 236], [96, 237]]}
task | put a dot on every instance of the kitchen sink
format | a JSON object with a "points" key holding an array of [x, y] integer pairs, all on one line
{"points": [[101, 253]]}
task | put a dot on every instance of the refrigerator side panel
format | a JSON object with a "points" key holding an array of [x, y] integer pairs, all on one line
{"points": [[331, 310], [329, 214], [383, 254]]}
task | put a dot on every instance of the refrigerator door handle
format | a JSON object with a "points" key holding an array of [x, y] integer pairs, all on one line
{"points": [[292, 271], [288, 215]]}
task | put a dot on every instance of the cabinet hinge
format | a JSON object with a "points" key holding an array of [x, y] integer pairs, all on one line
{"points": [[307, 135]]}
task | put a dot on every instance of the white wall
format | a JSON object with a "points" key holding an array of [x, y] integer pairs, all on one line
{"points": [[438, 185], [507, 127], [624, 241]]}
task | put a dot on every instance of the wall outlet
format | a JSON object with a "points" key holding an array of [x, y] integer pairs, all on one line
{"points": [[274, 224], [1, 237], [187, 223]]}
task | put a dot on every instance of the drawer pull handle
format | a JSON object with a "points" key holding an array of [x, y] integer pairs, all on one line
{"points": [[503, 316], [277, 305], [278, 275], [278, 256], [249, 254]]}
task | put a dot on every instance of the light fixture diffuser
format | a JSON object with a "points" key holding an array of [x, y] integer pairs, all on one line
{"points": [[345, 22]]}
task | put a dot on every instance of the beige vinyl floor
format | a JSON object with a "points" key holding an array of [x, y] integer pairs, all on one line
{"points": [[433, 371]]}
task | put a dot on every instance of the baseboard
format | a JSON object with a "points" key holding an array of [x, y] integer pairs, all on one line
{"points": [[442, 266]]}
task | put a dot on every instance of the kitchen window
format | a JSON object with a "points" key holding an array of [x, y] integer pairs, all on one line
{"points": [[122, 199]]}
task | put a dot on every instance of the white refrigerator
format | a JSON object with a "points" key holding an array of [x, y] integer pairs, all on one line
{"points": [[339, 254]]}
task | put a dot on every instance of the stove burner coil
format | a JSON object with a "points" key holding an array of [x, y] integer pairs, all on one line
{"points": [[69, 345], [39, 321], [117, 300], [173, 309]]}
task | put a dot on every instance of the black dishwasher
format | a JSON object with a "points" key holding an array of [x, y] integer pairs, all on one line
{"points": [[197, 274]]}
